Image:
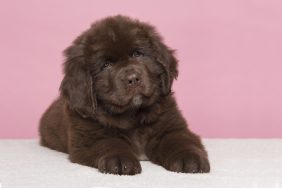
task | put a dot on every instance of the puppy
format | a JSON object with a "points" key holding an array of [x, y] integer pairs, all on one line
{"points": [[116, 106]]}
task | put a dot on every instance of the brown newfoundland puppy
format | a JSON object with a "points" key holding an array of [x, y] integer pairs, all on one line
{"points": [[116, 107]]}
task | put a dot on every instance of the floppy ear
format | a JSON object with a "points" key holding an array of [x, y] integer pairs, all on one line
{"points": [[169, 63], [165, 57], [77, 85]]}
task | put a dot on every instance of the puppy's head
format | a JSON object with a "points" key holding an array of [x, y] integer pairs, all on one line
{"points": [[119, 64]]}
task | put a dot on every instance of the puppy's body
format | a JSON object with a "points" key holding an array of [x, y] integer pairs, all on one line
{"points": [[113, 113]]}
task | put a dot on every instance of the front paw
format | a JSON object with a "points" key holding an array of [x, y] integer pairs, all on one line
{"points": [[188, 162], [119, 164]]}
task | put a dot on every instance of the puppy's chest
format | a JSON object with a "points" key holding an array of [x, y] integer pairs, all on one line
{"points": [[139, 140]]}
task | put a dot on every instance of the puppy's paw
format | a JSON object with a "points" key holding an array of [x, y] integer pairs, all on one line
{"points": [[188, 162], [122, 165]]}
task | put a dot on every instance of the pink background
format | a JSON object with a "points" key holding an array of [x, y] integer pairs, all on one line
{"points": [[230, 54]]}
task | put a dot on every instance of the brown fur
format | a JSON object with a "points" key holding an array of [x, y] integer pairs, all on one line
{"points": [[116, 107]]}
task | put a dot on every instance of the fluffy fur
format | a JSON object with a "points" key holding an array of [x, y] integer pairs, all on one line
{"points": [[116, 105]]}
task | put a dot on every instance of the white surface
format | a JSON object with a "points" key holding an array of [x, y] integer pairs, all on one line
{"points": [[234, 163]]}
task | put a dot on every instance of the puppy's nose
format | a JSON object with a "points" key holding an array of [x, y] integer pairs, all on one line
{"points": [[133, 80]]}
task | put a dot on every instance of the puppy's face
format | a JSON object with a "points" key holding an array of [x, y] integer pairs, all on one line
{"points": [[124, 70], [123, 64]]}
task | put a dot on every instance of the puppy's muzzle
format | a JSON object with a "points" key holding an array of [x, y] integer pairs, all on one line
{"points": [[131, 78]]}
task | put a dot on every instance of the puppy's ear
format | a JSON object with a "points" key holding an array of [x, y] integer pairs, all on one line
{"points": [[165, 57], [77, 85]]}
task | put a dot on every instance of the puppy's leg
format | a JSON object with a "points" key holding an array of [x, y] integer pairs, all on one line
{"points": [[107, 153], [178, 150], [52, 131]]}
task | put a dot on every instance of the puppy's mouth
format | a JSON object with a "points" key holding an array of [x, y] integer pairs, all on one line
{"points": [[133, 102], [138, 95], [119, 102], [137, 100], [141, 98]]}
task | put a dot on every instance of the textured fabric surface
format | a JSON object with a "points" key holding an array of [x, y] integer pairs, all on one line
{"points": [[234, 162]]}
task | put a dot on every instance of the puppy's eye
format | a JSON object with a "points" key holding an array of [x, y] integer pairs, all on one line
{"points": [[137, 53], [108, 64], [109, 61]]}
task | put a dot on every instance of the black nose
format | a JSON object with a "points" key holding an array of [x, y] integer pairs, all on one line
{"points": [[133, 79]]}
